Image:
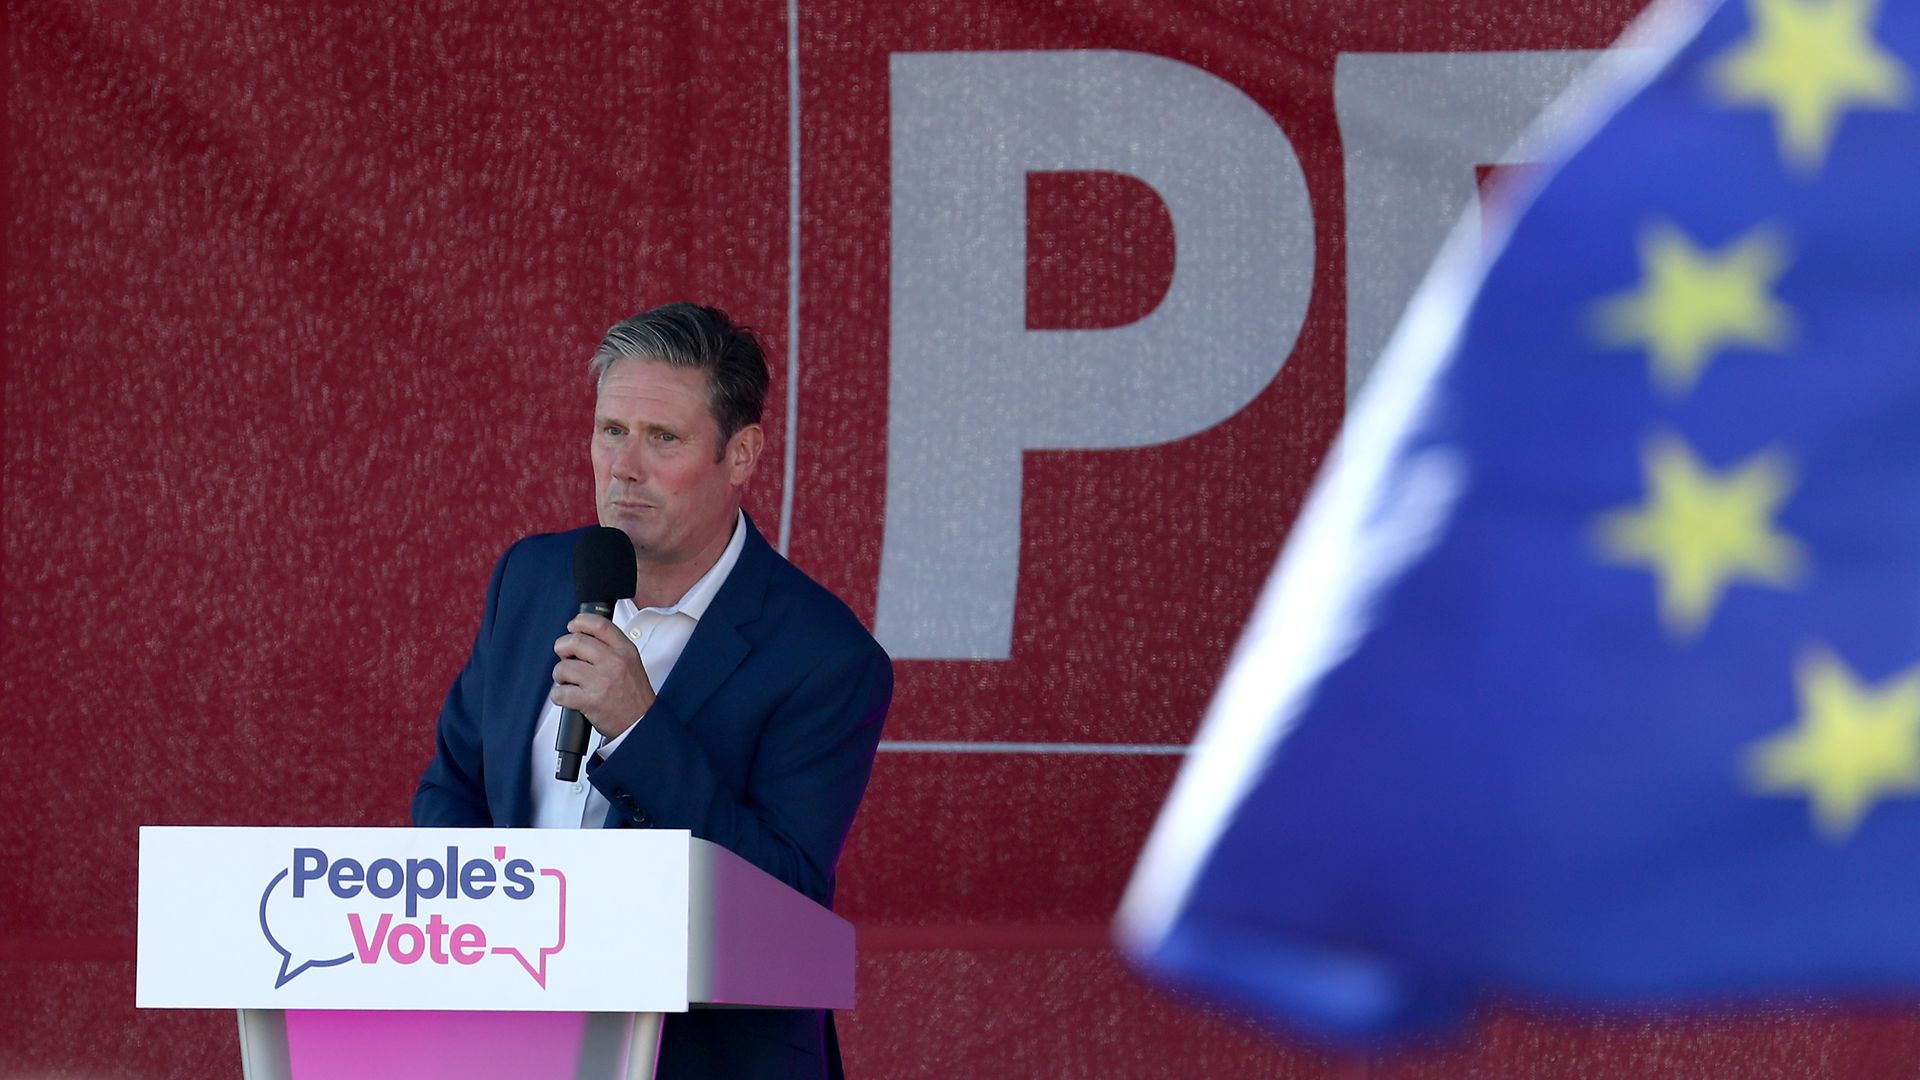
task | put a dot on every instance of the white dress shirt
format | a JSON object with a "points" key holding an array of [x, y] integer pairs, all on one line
{"points": [[661, 635]]}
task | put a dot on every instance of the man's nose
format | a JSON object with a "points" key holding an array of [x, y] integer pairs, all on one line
{"points": [[627, 461]]}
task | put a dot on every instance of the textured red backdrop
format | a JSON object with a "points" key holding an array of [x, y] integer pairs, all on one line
{"points": [[298, 298]]}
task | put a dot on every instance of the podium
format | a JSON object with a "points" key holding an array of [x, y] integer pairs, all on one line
{"points": [[470, 952]]}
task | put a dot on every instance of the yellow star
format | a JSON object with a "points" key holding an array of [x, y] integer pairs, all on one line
{"points": [[1852, 746], [1809, 60], [1700, 530], [1692, 303]]}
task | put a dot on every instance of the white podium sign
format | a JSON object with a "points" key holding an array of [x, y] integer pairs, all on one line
{"points": [[464, 919]]}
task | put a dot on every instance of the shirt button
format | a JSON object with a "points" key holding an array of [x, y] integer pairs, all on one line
{"points": [[577, 787]]}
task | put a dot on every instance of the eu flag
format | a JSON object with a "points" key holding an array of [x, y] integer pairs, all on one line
{"points": [[1591, 674]]}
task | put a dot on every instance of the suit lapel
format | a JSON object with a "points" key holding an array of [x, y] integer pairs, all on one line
{"points": [[545, 616], [718, 645]]}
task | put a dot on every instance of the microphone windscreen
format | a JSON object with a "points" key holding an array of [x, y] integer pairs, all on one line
{"points": [[603, 569]]}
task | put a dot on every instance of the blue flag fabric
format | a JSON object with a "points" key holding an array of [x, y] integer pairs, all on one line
{"points": [[1591, 674]]}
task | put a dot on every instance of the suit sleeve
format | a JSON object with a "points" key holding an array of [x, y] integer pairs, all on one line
{"points": [[808, 772], [452, 791]]}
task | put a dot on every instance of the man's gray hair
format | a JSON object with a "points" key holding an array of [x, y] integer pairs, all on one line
{"points": [[703, 338]]}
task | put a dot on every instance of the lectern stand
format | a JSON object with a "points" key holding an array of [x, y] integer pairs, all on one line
{"points": [[275, 1044], [470, 952]]}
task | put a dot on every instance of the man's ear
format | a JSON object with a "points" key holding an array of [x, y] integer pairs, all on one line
{"points": [[743, 453]]}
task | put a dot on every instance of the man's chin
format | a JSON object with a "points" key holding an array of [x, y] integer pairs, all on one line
{"points": [[642, 538]]}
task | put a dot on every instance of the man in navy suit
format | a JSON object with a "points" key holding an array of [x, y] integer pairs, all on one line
{"points": [[731, 696]]}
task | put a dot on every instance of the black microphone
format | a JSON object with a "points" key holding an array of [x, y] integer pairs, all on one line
{"points": [[603, 574]]}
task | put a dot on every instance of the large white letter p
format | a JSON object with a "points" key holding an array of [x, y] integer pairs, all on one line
{"points": [[971, 388]]}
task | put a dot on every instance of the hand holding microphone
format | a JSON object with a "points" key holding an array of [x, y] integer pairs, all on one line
{"points": [[599, 675]]}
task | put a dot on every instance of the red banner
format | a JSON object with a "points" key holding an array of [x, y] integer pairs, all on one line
{"points": [[1065, 305]]}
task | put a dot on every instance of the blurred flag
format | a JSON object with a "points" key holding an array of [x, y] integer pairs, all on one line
{"points": [[1591, 674]]}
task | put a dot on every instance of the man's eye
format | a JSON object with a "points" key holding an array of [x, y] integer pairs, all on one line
{"points": [[667, 436], [611, 429]]}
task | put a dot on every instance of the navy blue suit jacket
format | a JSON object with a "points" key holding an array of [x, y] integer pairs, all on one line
{"points": [[761, 741]]}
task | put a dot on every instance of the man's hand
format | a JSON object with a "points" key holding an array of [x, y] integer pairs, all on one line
{"points": [[601, 675]]}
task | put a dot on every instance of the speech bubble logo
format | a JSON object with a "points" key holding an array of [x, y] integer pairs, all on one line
{"points": [[288, 967], [401, 912], [538, 967]]}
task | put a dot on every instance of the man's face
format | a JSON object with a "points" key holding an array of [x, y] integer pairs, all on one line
{"points": [[660, 473]]}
